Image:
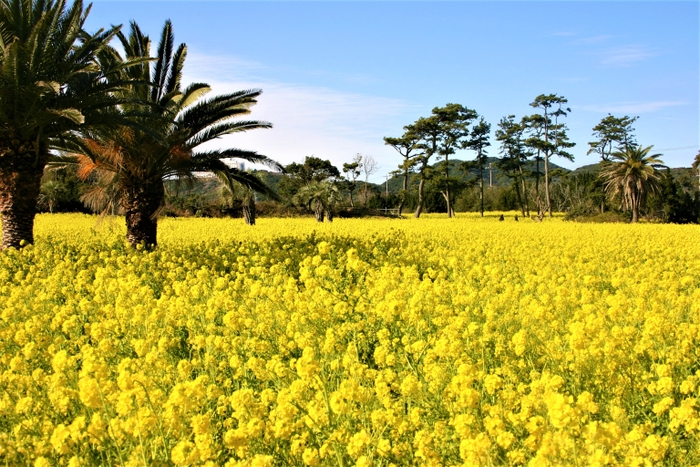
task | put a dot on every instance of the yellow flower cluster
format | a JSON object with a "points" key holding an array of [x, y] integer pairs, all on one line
{"points": [[428, 342]]}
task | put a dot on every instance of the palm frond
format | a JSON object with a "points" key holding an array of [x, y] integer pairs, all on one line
{"points": [[214, 131], [248, 156], [175, 75], [164, 56], [192, 93], [211, 111]]}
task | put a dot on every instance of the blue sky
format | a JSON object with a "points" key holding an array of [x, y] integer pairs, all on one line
{"points": [[338, 76]]}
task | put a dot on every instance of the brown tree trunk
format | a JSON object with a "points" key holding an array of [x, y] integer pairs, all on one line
{"points": [[447, 186], [540, 212], [546, 186], [21, 168], [318, 210], [329, 215], [249, 210], [635, 206], [419, 208], [481, 185], [404, 190], [526, 202], [142, 204], [517, 194], [421, 186]]}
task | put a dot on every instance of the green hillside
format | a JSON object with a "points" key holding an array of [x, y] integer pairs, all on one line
{"points": [[679, 173]]}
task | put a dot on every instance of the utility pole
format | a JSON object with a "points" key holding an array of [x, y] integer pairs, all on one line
{"points": [[490, 175], [386, 185]]}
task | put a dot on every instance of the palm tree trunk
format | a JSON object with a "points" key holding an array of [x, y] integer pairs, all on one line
{"points": [[318, 210], [142, 204], [249, 210], [20, 185]]}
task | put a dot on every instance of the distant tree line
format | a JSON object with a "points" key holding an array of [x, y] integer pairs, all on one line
{"points": [[628, 180], [316, 187]]}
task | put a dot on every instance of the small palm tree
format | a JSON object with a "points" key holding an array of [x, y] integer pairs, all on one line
{"points": [[321, 197], [247, 198], [51, 85], [52, 193], [632, 173], [168, 124]]}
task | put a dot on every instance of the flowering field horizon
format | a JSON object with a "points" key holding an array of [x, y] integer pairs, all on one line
{"points": [[436, 342]]}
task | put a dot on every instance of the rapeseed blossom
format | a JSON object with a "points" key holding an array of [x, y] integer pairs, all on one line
{"points": [[431, 342]]}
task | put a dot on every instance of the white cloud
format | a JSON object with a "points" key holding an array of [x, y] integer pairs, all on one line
{"points": [[632, 107], [574, 80], [307, 120], [204, 65], [626, 55], [594, 39]]}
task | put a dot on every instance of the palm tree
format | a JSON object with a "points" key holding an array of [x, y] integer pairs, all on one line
{"points": [[52, 192], [632, 174], [168, 124], [247, 198], [50, 85], [321, 197]]}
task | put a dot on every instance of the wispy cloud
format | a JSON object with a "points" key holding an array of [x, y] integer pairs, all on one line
{"points": [[234, 68], [632, 107], [594, 39], [340, 77], [574, 79], [307, 120], [626, 55]]}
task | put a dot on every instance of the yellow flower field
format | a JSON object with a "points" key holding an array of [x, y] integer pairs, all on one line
{"points": [[430, 342]]}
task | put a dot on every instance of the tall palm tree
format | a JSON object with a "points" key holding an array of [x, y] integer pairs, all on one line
{"points": [[632, 173], [50, 85], [131, 162]]}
